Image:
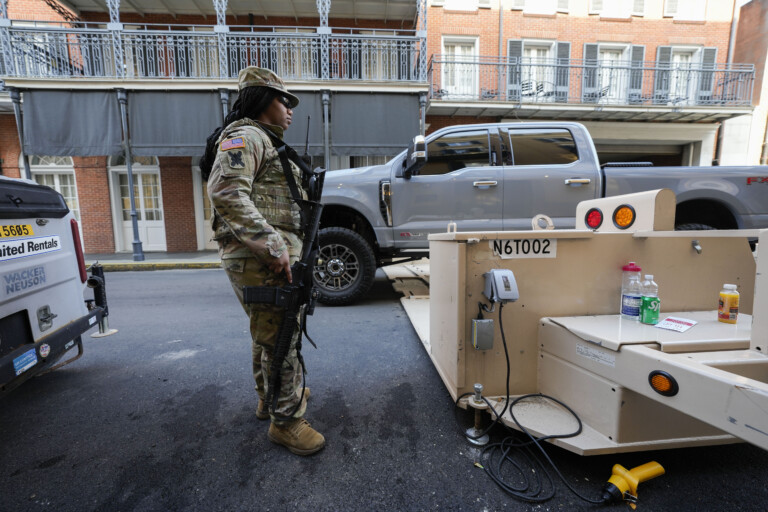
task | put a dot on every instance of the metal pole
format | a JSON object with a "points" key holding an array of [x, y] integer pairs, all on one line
{"points": [[221, 29], [5, 40], [423, 112], [323, 8], [122, 97], [224, 97], [16, 99], [326, 133]]}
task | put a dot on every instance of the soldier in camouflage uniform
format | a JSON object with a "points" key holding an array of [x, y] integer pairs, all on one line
{"points": [[258, 229]]}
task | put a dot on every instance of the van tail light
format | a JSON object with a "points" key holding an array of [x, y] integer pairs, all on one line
{"points": [[78, 250]]}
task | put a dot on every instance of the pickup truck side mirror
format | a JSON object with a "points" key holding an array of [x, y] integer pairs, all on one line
{"points": [[416, 157]]}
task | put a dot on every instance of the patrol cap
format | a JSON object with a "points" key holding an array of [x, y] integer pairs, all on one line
{"points": [[262, 77]]}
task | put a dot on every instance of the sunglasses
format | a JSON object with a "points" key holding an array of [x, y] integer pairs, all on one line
{"points": [[285, 101]]}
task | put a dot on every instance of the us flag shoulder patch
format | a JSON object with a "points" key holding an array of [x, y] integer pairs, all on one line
{"points": [[228, 144]]}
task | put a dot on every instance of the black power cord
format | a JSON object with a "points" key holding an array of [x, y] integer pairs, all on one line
{"points": [[515, 458]]}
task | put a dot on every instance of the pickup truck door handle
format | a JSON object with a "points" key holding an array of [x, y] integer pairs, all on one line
{"points": [[578, 181], [479, 184]]}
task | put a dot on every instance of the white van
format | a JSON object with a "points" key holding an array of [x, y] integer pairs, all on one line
{"points": [[42, 283]]}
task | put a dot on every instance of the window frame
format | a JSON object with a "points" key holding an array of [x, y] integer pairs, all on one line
{"points": [[507, 140]]}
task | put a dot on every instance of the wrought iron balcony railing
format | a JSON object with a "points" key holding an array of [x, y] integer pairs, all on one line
{"points": [[197, 52], [572, 81]]}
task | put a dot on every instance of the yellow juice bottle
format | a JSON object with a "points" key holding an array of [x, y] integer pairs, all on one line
{"points": [[728, 309]]}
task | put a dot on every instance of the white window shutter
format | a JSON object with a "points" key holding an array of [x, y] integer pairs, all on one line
{"points": [[670, 8]]}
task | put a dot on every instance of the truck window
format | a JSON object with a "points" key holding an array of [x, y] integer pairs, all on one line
{"points": [[456, 151], [542, 146]]}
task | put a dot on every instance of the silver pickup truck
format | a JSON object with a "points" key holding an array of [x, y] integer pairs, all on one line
{"points": [[43, 313], [495, 177]]}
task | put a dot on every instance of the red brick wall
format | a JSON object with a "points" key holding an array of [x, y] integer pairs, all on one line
{"points": [[95, 212], [178, 203], [752, 41], [9, 146], [32, 10], [484, 23]]}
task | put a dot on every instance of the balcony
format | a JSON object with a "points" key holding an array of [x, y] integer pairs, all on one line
{"points": [[588, 90], [197, 52]]}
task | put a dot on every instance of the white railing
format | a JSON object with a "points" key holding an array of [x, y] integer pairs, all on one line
{"points": [[90, 50], [584, 81]]}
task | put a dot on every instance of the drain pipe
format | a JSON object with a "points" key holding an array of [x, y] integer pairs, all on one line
{"points": [[729, 62]]}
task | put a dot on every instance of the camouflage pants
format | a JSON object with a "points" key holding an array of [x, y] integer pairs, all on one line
{"points": [[265, 323]]}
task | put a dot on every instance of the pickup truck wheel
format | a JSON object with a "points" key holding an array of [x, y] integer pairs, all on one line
{"points": [[692, 227], [345, 267]]}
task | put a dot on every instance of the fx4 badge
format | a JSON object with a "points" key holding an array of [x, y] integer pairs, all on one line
{"points": [[408, 234], [757, 179]]}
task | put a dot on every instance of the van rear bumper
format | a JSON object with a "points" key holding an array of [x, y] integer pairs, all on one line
{"points": [[32, 359]]}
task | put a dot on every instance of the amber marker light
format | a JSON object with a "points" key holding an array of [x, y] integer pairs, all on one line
{"points": [[594, 218], [624, 216], [663, 383]]}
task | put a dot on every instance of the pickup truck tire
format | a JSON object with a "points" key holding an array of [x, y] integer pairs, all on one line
{"points": [[692, 227], [345, 267]]}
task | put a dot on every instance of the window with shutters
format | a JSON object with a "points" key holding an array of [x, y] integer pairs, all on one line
{"points": [[539, 70], [684, 75], [613, 73]]}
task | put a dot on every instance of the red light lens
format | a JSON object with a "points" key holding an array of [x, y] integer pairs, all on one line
{"points": [[594, 218], [78, 250]]}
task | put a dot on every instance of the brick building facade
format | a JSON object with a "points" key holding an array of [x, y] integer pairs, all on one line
{"points": [[562, 49]]}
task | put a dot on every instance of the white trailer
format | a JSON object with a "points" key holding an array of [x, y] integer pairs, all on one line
{"points": [[565, 338]]}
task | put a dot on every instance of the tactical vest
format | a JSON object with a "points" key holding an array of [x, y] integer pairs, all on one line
{"points": [[269, 191]]}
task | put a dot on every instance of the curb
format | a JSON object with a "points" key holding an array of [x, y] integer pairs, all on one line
{"points": [[143, 266]]}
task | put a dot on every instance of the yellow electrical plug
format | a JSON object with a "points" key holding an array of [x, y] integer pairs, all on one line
{"points": [[623, 483]]}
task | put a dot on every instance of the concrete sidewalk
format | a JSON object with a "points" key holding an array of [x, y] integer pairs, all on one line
{"points": [[123, 261]]}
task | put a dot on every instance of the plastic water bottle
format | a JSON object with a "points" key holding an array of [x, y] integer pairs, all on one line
{"points": [[650, 304], [631, 293]]}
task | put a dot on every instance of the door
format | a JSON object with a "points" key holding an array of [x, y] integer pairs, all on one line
{"points": [[460, 183], [459, 78], [543, 174], [538, 72], [612, 75], [149, 210]]}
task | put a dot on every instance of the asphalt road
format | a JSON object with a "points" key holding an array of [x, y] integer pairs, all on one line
{"points": [[161, 417]]}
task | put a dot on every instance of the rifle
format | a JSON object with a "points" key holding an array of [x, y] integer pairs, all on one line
{"points": [[301, 292]]}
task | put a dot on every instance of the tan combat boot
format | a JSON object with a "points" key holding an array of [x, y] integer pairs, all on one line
{"points": [[298, 436], [262, 411]]}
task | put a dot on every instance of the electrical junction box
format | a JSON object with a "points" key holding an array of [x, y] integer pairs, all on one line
{"points": [[500, 285], [482, 333]]}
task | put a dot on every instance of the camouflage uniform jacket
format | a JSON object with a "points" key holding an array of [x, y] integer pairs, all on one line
{"points": [[254, 214]]}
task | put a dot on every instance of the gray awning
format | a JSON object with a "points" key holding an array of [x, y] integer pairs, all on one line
{"points": [[295, 136], [373, 123], [71, 123], [311, 105], [172, 123]]}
